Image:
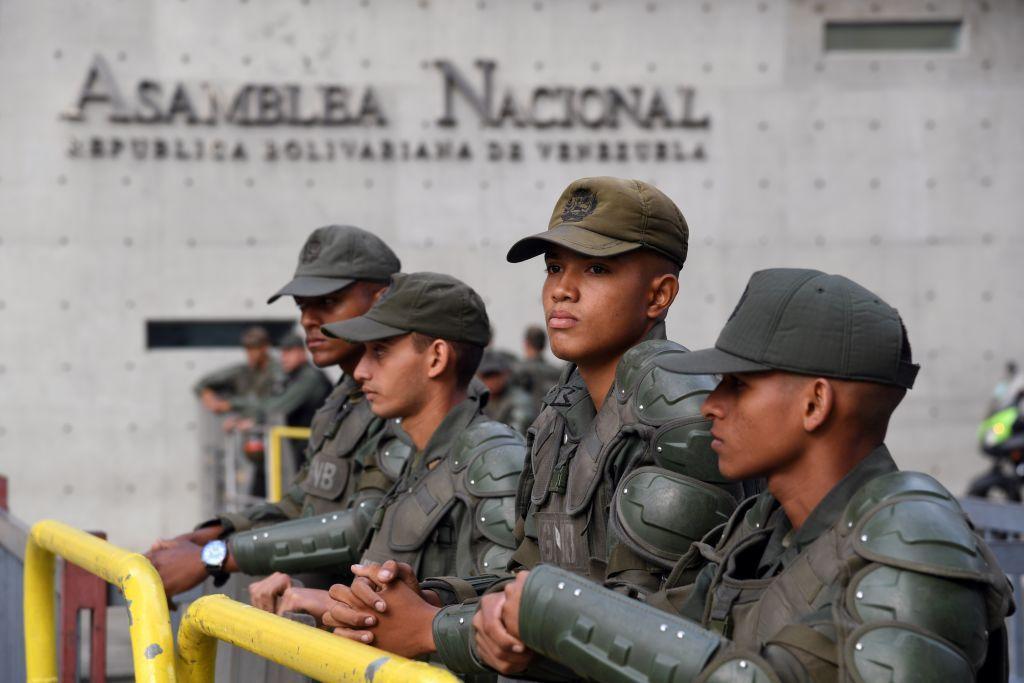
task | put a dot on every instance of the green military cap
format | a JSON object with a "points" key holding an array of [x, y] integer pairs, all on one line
{"points": [[334, 257], [494, 362], [433, 304], [255, 336], [291, 340], [809, 323], [606, 216]]}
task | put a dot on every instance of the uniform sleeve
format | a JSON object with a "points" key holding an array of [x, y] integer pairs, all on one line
{"points": [[293, 396], [223, 380]]}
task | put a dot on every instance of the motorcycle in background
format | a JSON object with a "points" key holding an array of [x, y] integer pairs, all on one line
{"points": [[1002, 438]]}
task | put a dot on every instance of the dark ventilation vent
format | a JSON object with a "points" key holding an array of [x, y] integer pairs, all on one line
{"points": [[885, 36], [187, 334]]}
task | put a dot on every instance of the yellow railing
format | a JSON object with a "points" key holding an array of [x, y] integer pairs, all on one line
{"points": [[315, 653], [275, 437], [149, 622]]}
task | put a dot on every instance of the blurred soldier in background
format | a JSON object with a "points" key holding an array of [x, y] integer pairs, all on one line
{"points": [[508, 403], [341, 271], [224, 390], [299, 395], [533, 373]]}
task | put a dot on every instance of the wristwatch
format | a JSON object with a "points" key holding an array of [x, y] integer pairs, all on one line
{"points": [[214, 555]]}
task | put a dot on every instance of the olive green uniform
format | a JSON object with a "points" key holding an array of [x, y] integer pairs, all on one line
{"points": [[616, 495], [297, 398], [242, 382], [452, 510], [514, 407], [885, 580], [536, 376]]}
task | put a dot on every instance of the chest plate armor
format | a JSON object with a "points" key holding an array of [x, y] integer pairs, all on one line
{"points": [[900, 538], [651, 418], [456, 511], [338, 431]]}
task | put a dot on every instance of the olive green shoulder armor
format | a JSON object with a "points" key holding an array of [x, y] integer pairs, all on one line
{"points": [[392, 454], [492, 454], [659, 513], [669, 403], [909, 520], [658, 395], [746, 668], [901, 653]]}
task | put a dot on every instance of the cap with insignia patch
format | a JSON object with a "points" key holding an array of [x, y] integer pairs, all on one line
{"points": [[607, 216], [334, 257]]}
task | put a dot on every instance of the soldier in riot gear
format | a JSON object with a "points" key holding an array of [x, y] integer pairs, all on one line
{"points": [[451, 509], [620, 477], [845, 569], [341, 270], [508, 403]]}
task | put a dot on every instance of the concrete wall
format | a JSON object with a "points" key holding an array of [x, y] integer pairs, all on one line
{"points": [[902, 170]]}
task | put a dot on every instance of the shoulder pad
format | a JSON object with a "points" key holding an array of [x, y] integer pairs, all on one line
{"points": [[492, 454], [917, 525], [495, 559], [901, 654], [893, 485], [392, 455], [954, 610], [660, 513], [747, 668], [659, 395], [671, 403], [496, 519]]}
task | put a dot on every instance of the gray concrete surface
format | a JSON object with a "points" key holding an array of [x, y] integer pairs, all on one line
{"points": [[902, 170]]}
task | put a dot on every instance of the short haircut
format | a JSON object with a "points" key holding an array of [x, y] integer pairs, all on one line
{"points": [[467, 356], [535, 337]]}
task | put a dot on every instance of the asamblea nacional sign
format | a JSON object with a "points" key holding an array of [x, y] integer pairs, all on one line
{"points": [[154, 120]]}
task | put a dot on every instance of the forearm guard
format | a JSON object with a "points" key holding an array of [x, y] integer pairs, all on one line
{"points": [[453, 637], [331, 540], [605, 636]]}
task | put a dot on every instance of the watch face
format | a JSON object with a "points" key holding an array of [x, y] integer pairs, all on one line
{"points": [[214, 553]]}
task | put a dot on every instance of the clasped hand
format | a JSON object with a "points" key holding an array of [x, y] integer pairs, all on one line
{"points": [[385, 606]]}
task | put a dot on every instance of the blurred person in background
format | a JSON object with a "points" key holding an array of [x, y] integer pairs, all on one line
{"points": [[508, 403], [534, 374], [221, 390], [301, 391], [1009, 390]]}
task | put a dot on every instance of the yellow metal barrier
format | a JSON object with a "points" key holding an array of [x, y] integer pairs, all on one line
{"points": [[149, 622], [275, 437], [315, 653]]}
